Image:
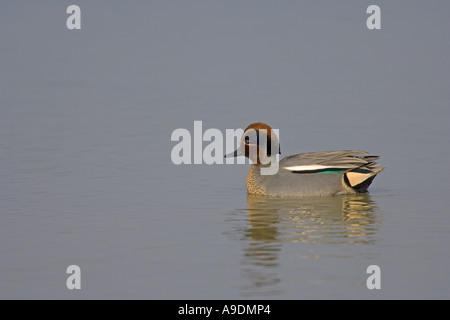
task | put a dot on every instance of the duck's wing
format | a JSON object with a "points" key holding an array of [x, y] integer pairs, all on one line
{"points": [[358, 169], [330, 161]]}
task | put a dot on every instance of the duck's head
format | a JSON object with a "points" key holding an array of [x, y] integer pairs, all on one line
{"points": [[259, 143]]}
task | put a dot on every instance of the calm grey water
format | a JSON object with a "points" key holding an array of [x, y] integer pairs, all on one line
{"points": [[86, 176]]}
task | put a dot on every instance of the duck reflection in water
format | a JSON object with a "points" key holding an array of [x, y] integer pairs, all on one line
{"points": [[346, 219], [339, 219]]}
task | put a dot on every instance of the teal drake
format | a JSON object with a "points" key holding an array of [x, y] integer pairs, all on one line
{"points": [[325, 173]]}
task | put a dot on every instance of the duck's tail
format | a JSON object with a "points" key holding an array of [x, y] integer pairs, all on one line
{"points": [[359, 179]]}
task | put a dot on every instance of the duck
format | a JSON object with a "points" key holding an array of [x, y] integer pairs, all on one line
{"points": [[324, 173]]}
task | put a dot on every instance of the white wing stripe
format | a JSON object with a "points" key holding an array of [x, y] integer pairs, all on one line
{"points": [[308, 167]]}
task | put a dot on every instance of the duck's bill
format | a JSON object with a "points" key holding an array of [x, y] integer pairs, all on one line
{"points": [[236, 153]]}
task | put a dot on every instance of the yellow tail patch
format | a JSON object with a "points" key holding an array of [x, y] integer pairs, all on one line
{"points": [[355, 178]]}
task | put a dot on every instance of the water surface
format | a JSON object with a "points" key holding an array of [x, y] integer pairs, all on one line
{"points": [[86, 176]]}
